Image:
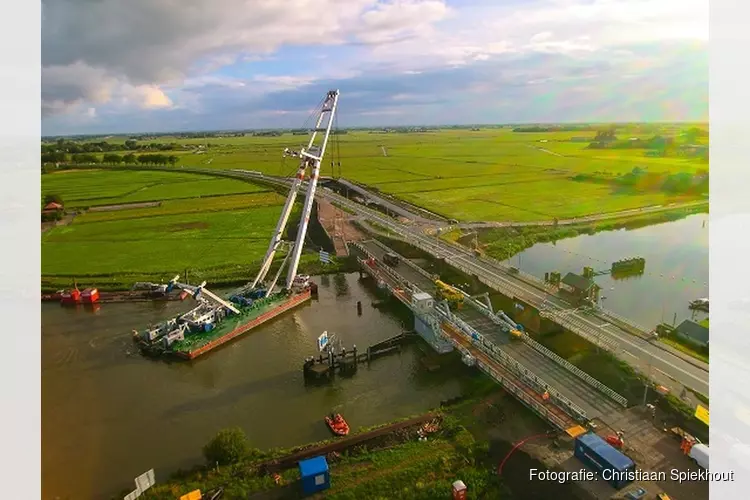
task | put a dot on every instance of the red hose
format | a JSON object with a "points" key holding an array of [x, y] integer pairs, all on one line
{"points": [[518, 445]]}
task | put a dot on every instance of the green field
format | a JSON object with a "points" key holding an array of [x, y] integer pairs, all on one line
{"points": [[489, 174], [217, 235], [82, 188], [219, 227]]}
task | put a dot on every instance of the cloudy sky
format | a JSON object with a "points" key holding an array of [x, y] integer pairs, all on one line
{"points": [[117, 66]]}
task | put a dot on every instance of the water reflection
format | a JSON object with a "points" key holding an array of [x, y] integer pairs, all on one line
{"points": [[676, 269]]}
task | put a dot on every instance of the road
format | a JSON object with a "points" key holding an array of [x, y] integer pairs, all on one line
{"points": [[664, 366]]}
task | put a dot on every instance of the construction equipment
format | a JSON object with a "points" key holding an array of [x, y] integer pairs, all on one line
{"points": [[453, 296], [616, 440]]}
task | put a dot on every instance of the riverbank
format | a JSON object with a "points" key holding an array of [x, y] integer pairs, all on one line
{"points": [[219, 277], [473, 436], [503, 243]]}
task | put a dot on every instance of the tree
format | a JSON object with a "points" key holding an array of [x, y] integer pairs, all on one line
{"points": [[172, 160], [227, 447], [112, 159], [50, 198], [129, 159]]}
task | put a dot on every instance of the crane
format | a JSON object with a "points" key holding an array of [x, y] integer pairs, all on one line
{"points": [[310, 157]]}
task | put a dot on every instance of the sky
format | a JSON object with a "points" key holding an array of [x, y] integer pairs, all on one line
{"points": [[115, 66]]}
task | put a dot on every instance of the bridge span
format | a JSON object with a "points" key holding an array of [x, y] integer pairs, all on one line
{"points": [[524, 367]]}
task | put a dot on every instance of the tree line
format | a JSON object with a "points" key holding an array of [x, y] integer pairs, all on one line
{"points": [[110, 159], [76, 147]]}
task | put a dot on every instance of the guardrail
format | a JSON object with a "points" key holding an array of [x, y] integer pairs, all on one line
{"points": [[580, 329], [557, 359], [504, 359], [575, 370]]}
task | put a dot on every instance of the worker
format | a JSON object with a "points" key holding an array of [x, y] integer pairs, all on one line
{"points": [[545, 396]]}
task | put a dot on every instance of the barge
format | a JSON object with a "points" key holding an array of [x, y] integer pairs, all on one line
{"points": [[186, 337], [217, 320]]}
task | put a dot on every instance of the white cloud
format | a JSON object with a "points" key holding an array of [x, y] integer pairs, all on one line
{"points": [[162, 54], [156, 42]]}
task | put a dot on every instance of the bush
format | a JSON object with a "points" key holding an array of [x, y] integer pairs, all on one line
{"points": [[227, 447]]}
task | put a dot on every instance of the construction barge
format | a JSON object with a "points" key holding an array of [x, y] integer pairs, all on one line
{"points": [[217, 320]]}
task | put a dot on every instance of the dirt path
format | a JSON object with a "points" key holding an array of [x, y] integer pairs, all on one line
{"points": [[67, 219], [124, 206]]}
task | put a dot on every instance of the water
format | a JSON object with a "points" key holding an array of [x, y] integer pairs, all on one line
{"points": [[110, 414], [676, 256]]}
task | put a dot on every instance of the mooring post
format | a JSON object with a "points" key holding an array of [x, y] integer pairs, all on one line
{"points": [[359, 308], [354, 349]]}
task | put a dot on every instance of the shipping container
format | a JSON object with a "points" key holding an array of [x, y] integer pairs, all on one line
{"points": [[608, 462], [314, 475]]}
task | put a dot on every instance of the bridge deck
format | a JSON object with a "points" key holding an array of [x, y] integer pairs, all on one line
{"points": [[593, 402]]}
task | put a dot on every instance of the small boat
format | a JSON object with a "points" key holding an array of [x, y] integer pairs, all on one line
{"points": [[337, 424]]}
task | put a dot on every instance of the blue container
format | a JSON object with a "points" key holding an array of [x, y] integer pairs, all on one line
{"points": [[607, 461], [314, 474], [207, 327]]}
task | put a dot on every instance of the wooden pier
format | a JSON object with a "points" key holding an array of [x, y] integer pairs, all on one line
{"points": [[346, 361]]}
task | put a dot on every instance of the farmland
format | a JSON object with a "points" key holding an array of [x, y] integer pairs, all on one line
{"points": [[486, 174], [218, 228], [220, 237]]}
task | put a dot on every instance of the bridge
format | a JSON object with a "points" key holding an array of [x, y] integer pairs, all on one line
{"points": [[524, 367], [622, 337]]}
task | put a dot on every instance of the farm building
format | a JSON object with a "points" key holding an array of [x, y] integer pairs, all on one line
{"points": [[692, 332], [52, 207]]}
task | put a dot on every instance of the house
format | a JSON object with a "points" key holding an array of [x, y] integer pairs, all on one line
{"points": [[693, 333], [580, 287], [52, 208]]}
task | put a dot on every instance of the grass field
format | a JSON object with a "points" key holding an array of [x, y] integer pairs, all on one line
{"points": [[489, 174], [82, 188], [217, 236]]}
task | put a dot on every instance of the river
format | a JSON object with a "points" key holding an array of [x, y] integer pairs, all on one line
{"points": [[676, 272], [109, 414]]}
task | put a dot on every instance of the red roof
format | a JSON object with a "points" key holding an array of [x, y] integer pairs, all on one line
{"points": [[52, 206]]}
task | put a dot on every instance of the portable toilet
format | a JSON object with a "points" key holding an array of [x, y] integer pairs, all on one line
{"points": [[314, 474], [459, 490]]}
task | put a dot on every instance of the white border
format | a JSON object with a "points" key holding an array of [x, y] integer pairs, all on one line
{"points": [[20, 367], [729, 226], [729, 248]]}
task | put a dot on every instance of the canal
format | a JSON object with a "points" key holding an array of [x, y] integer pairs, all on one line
{"points": [[109, 414], [676, 271]]}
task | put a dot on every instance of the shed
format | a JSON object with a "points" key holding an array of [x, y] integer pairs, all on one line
{"points": [[314, 475], [693, 332], [578, 283], [582, 288]]}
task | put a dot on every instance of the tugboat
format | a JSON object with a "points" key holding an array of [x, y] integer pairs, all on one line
{"points": [[337, 424]]}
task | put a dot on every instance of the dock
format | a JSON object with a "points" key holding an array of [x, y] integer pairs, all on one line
{"points": [[346, 361]]}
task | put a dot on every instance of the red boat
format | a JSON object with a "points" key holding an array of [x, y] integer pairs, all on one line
{"points": [[337, 424]]}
